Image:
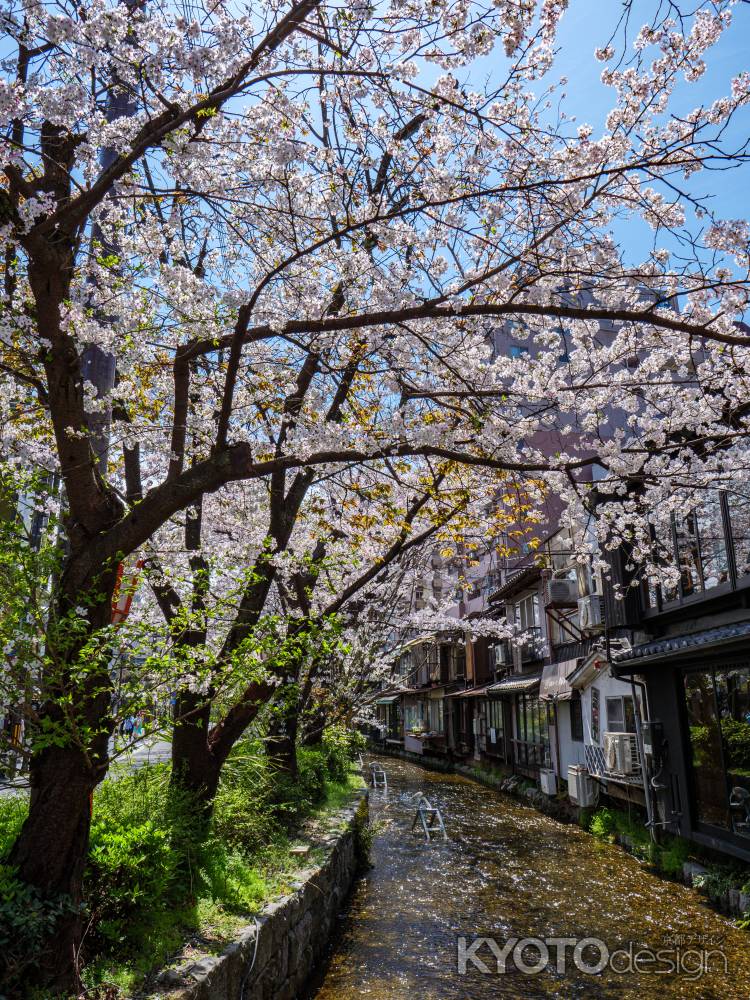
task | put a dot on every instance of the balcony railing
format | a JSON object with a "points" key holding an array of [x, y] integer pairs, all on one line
{"points": [[532, 755]]}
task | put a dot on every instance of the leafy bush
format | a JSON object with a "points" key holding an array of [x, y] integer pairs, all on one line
{"points": [[230, 878], [294, 798], [673, 856], [27, 927], [129, 867], [603, 824], [340, 746], [244, 818], [13, 811]]}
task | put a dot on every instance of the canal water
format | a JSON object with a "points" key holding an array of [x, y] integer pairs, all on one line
{"points": [[507, 872]]}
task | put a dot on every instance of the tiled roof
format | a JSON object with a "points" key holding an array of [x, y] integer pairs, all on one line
{"points": [[525, 576], [675, 644], [515, 683]]}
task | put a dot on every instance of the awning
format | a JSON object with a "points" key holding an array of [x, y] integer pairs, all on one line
{"points": [[720, 641], [477, 692], [521, 579], [555, 685], [388, 699], [593, 666], [515, 684]]}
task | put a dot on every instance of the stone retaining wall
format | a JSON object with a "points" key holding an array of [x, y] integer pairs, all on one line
{"points": [[274, 958]]}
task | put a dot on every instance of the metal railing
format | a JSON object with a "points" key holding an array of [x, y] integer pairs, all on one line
{"points": [[625, 768]]}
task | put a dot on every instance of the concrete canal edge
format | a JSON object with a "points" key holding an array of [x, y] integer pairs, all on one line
{"points": [[273, 958]]}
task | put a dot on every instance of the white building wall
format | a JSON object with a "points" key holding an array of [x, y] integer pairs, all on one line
{"points": [[572, 752]]}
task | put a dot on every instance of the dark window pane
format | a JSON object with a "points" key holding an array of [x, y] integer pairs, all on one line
{"points": [[688, 556], [739, 514], [705, 743], [615, 717], [713, 544], [733, 700], [576, 718], [629, 715], [664, 556]]}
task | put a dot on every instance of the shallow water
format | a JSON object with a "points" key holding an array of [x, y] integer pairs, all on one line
{"points": [[505, 872]]}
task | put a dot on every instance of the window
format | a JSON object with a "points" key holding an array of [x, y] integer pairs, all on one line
{"points": [[527, 612], [495, 720], [620, 715], [406, 665], [739, 515], [713, 546], [576, 718], [595, 714], [414, 716], [517, 351], [532, 731], [718, 715], [688, 555], [699, 550], [435, 715]]}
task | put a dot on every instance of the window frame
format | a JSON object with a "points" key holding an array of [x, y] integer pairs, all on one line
{"points": [[576, 731]]}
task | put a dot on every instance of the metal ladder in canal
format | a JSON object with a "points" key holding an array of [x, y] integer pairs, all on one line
{"points": [[378, 777], [430, 818]]}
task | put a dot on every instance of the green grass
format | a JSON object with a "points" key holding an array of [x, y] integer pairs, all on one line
{"points": [[234, 885], [160, 886]]}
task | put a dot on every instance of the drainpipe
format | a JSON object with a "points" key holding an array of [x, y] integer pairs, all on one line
{"points": [[557, 744], [639, 738]]}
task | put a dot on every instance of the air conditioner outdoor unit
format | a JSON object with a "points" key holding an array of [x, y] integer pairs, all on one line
{"points": [[548, 781], [591, 613], [561, 593], [580, 786], [621, 753]]}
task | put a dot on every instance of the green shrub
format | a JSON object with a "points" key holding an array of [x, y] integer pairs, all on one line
{"points": [[673, 856], [129, 868], [603, 824], [229, 877], [27, 927], [244, 817], [340, 746]]}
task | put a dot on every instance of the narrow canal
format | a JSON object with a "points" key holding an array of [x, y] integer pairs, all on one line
{"points": [[507, 872]]}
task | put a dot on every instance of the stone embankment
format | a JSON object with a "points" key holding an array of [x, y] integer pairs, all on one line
{"points": [[273, 958]]}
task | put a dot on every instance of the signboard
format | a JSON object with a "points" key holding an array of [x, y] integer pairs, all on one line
{"points": [[493, 735], [127, 580], [594, 714]]}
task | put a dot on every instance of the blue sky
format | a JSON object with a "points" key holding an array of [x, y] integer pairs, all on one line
{"points": [[587, 25]]}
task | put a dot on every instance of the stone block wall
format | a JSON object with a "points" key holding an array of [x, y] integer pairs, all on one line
{"points": [[273, 958]]}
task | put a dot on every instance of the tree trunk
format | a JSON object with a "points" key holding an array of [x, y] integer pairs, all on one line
{"points": [[51, 848], [282, 737], [195, 769], [50, 854]]}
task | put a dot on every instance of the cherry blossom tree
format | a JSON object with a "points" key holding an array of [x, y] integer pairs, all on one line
{"points": [[311, 232]]}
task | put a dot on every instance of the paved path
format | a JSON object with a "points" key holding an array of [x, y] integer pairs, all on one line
{"points": [[146, 751]]}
